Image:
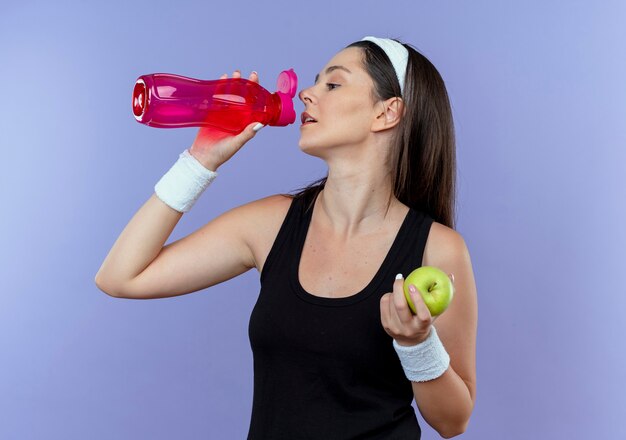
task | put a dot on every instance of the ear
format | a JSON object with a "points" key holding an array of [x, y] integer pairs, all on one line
{"points": [[389, 114]]}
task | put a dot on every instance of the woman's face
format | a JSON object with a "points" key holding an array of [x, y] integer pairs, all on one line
{"points": [[340, 101]]}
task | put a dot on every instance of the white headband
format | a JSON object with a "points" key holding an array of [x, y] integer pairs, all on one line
{"points": [[397, 53]]}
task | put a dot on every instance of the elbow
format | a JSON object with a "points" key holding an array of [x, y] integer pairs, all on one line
{"points": [[106, 289], [457, 427], [449, 433]]}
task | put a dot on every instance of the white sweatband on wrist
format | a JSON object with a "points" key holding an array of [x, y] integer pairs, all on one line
{"points": [[425, 361], [183, 184]]}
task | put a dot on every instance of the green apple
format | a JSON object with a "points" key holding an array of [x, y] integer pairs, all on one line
{"points": [[435, 286]]}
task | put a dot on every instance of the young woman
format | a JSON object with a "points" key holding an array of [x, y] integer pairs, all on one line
{"points": [[337, 352]]}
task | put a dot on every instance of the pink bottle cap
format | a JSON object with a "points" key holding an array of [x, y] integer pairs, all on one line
{"points": [[287, 85], [287, 82]]}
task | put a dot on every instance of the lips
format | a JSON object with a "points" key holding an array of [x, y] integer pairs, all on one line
{"points": [[306, 118]]}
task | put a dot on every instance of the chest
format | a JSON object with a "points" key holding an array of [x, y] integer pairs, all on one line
{"points": [[332, 268]]}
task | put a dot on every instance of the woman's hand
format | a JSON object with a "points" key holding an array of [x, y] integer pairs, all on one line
{"points": [[398, 321], [213, 147]]}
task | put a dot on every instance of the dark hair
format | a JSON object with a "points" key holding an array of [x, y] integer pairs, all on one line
{"points": [[422, 157]]}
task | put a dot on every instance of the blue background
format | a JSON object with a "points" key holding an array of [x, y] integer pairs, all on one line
{"points": [[538, 96]]}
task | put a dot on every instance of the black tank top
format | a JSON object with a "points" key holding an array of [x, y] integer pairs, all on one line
{"points": [[324, 368]]}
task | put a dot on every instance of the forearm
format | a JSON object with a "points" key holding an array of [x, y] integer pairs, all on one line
{"points": [[445, 403], [139, 243]]}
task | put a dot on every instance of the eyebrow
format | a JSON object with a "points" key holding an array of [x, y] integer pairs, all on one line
{"points": [[330, 69]]}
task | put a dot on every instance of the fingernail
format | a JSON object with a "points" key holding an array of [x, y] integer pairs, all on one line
{"points": [[255, 72], [399, 276], [412, 288], [258, 126], [452, 275]]}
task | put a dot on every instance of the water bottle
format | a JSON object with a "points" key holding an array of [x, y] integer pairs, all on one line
{"points": [[166, 100]]}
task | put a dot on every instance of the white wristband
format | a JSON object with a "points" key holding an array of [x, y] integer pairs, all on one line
{"points": [[183, 184], [425, 361]]}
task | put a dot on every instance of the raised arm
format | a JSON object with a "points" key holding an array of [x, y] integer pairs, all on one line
{"points": [[138, 267]]}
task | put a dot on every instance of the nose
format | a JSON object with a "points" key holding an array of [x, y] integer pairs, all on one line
{"points": [[304, 95]]}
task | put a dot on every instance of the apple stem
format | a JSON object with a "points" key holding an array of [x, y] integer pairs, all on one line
{"points": [[430, 289]]}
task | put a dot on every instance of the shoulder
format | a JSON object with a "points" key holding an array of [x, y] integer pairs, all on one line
{"points": [[263, 213], [272, 208], [263, 218], [443, 244]]}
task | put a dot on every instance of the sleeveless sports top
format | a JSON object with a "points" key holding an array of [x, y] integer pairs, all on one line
{"points": [[324, 368]]}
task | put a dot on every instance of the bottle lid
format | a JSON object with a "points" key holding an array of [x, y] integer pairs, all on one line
{"points": [[140, 99], [287, 82], [287, 85]]}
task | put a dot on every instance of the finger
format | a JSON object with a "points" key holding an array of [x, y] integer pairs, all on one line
{"points": [[423, 314], [402, 310], [394, 317], [384, 310], [224, 76], [237, 74], [251, 130], [254, 76]]}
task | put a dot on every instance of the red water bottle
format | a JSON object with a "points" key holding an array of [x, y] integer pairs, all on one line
{"points": [[166, 100]]}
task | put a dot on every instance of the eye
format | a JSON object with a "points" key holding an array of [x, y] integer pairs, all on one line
{"points": [[330, 84]]}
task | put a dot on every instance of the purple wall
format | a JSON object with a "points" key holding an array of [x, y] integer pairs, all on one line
{"points": [[538, 93]]}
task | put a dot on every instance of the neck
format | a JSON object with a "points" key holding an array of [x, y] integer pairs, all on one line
{"points": [[355, 204]]}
